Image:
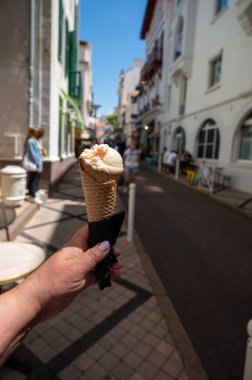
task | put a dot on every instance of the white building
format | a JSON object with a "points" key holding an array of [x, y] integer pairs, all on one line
{"points": [[127, 111], [207, 105], [85, 63], [39, 74], [152, 82]]}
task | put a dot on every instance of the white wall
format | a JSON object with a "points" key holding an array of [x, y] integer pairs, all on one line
{"points": [[227, 103], [58, 79]]}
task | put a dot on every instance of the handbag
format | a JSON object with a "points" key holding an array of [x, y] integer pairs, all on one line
{"points": [[28, 165]]}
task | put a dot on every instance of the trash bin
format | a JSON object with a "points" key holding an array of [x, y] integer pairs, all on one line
{"points": [[13, 185]]}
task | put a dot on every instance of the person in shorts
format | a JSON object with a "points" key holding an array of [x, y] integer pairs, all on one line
{"points": [[131, 157]]}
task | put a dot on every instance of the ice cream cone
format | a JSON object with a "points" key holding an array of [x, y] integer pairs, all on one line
{"points": [[99, 191], [100, 170]]}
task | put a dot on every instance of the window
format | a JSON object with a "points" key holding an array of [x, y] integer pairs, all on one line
{"points": [[215, 71], [208, 141], [179, 140], [179, 38], [169, 90], [183, 90], [220, 5], [246, 140]]}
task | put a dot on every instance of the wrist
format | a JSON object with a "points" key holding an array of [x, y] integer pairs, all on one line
{"points": [[17, 316], [26, 293]]}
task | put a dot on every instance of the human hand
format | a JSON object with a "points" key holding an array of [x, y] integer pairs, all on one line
{"points": [[64, 275]]}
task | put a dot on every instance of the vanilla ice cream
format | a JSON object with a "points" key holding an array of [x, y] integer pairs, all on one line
{"points": [[103, 158]]}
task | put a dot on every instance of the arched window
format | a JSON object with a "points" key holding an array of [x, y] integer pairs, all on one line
{"points": [[208, 140], [246, 139], [179, 140], [179, 38]]}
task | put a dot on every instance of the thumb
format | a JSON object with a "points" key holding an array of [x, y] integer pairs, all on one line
{"points": [[94, 255]]}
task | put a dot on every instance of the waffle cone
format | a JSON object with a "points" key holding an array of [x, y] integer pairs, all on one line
{"points": [[99, 191]]}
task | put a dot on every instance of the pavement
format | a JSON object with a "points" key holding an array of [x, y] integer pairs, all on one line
{"points": [[128, 331], [119, 333], [201, 250]]}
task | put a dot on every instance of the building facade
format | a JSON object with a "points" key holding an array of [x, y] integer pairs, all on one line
{"points": [[152, 82], [127, 111], [85, 63], [41, 82], [207, 82]]}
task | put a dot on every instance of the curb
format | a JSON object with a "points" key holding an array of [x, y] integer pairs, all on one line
{"points": [[182, 342], [214, 197]]}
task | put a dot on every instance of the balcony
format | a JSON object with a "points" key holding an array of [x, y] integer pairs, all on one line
{"points": [[244, 8], [155, 101], [153, 64], [151, 109]]}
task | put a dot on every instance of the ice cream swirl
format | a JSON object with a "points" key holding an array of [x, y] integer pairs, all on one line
{"points": [[103, 158]]}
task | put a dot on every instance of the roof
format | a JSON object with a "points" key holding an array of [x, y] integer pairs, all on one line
{"points": [[148, 17]]}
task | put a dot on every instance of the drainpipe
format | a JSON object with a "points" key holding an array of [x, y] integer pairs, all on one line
{"points": [[32, 60]]}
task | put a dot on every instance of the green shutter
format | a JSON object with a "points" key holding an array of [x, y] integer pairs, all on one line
{"points": [[60, 30], [72, 63], [72, 51], [66, 48]]}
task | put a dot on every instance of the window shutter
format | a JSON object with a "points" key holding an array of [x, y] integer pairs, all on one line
{"points": [[72, 62], [66, 48], [60, 30]]}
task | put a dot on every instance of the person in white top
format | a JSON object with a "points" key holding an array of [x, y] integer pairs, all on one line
{"points": [[131, 157], [171, 161], [165, 155]]}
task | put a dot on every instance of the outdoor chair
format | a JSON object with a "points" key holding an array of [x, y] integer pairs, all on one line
{"points": [[7, 216]]}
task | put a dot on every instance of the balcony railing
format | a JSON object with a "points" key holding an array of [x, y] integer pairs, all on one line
{"points": [[155, 101], [153, 63]]}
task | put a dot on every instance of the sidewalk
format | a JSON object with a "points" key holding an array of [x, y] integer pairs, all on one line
{"points": [[228, 196], [120, 333]]}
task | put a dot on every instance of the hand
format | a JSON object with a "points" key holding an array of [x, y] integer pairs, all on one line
{"points": [[64, 275]]}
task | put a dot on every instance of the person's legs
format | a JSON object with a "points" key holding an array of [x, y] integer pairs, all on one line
{"points": [[126, 180], [37, 181], [32, 184]]}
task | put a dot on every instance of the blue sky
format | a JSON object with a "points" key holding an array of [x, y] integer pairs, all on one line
{"points": [[113, 29]]}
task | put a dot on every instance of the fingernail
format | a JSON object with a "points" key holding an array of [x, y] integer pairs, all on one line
{"points": [[104, 246]]}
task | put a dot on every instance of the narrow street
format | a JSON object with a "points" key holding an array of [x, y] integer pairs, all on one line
{"points": [[201, 251]]}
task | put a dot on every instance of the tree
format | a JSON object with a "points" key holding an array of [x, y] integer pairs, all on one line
{"points": [[113, 120]]}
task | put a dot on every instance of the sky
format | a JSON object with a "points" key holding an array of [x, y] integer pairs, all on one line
{"points": [[113, 29]]}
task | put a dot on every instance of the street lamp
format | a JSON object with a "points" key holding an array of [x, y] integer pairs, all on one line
{"points": [[95, 108]]}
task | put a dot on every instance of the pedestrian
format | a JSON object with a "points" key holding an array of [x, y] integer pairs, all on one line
{"points": [[50, 289], [165, 158], [171, 161], [131, 158], [33, 162]]}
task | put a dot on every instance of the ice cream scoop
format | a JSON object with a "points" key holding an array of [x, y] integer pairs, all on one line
{"points": [[103, 158]]}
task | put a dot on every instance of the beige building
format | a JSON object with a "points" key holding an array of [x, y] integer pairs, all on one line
{"points": [[127, 110], [206, 82], [38, 75]]}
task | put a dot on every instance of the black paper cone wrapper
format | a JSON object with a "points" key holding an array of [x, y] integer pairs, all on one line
{"points": [[105, 229]]}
